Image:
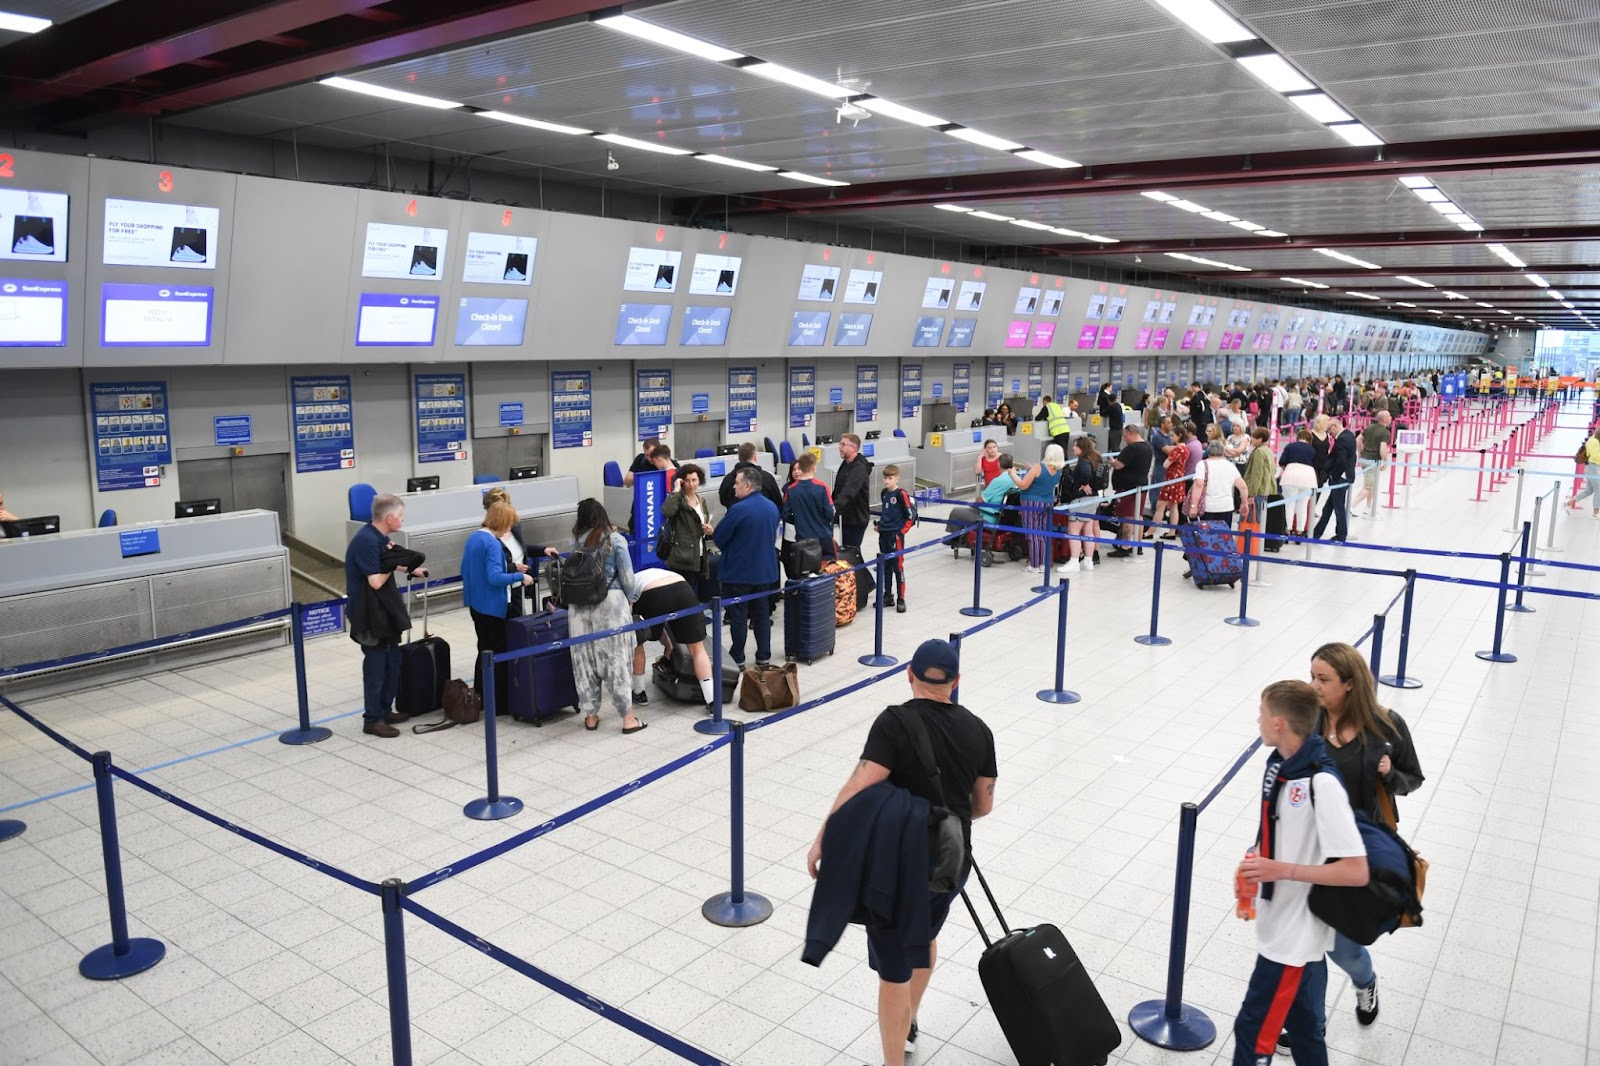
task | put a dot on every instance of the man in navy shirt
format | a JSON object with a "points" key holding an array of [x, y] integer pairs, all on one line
{"points": [[809, 506], [377, 616], [745, 537]]}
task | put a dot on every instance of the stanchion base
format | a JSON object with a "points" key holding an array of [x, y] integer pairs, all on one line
{"points": [[976, 612], [1396, 681], [488, 810], [1496, 657], [877, 660], [1521, 608], [1058, 695], [313, 735], [1242, 621], [10, 827], [1260, 584], [1152, 640], [711, 727], [1043, 588], [104, 964], [722, 910], [1191, 1030]]}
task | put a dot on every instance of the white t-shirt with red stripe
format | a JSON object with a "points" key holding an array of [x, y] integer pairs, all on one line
{"points": [[1306, 834]]}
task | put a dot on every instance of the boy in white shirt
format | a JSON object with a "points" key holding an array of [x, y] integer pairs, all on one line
{"points": [[1300, 844]]}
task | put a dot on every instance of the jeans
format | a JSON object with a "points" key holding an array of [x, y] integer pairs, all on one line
{"points": [[743, 617], [1591, 486], [380, 679], [1353, 959]]}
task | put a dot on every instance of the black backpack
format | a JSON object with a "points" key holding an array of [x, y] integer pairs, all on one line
{"points": [[579, 579], [947, 845]]}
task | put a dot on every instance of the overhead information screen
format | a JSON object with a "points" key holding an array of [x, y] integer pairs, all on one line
{"points": [[35, 225], [147, 316], [652, 270], [937, 293], [819, 282], [33, 313], [387, 318], [490, 321], [143, 234], [863, 286], [499, 259], [971, 297], [715, 275], [403, 252]]}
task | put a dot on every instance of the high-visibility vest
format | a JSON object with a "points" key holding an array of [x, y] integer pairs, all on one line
{"points": [[1056, 422]]}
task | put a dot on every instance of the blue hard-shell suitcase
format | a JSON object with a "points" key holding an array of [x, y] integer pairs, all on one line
{"points": [[541, 685], [808, 619]]}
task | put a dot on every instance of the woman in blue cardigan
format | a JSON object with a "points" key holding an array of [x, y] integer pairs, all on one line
{"points": [[491, 566]]}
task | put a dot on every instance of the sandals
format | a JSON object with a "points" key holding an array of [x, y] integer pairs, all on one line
{"points": [[634, 729], [592, 722]]}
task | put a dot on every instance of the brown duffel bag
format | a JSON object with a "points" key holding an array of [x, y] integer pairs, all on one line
{"points": [[764, 689]]}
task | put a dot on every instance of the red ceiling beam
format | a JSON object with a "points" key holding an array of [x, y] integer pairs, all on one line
{"points": [[1459, 155], [1252, 243]]}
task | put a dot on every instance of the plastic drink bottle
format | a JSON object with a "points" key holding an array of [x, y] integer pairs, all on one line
{"points": [[1245, 906]]}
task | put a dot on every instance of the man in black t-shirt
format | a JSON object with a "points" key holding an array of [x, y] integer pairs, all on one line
{"points": [[1130, 470], [963, 748]]}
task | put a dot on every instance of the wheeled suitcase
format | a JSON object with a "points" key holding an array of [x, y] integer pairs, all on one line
{"points": [[1221, 563], [1277, 522], [424, 668], [674, 675], [808, 623], [1043, 998], [543, 684], [866, 584], [844, 591]]}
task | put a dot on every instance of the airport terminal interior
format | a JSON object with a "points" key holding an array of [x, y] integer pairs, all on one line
{"points": [[266, 260]]}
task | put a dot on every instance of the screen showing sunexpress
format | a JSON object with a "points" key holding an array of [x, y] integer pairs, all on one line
{"points": [[32, 313]]}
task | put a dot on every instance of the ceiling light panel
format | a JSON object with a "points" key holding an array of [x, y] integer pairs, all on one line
{"points": [[985, 140], [795, 79], [1246, 224], [1355, 133], [1334, 254], [1414, 181], [649, 31], [1363, 295], [729, 161], [1414, 281], [534, 123], [954, 207], [1431, 195], [22, 23], [1273, 71], [991, 216], [1163, 197], [889, 109], [368, 89], [1271, 233], [796, 175], [1033, 155], [1321, 107], [643, 146], [1208, 20], [1307, 284]]}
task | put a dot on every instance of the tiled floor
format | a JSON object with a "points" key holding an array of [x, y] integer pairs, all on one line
{"points": [[272, 962]]}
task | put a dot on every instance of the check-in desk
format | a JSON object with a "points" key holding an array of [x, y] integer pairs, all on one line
{"points": [[439, 523], [947, 459], [1028, 446], [90, 590], [893, 451]]}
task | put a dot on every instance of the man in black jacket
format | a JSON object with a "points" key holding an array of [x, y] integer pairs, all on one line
{"points": [[963, 749], [377, 615], [1341, 469], [850, 492], [769, 484]]}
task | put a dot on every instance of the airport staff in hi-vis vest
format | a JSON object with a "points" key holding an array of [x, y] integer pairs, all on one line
{"points": [[1056, 424]]}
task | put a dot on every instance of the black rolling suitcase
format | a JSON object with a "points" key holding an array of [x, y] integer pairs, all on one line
{"points": [[541, 685], [1042, 996], [1277, 522], [674, 675], [809, 627], [424, 668]]}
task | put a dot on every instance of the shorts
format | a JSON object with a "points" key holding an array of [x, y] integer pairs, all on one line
{"points": [[664, 599], [891, 959]]}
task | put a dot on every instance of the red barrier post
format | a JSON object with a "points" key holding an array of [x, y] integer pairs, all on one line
{"points": [[1390, 504], [1482, 457]]}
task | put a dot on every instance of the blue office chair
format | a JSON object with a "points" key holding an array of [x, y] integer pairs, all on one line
{"points": [[486, 479], [108, 517], [361, 495], [704, 453], [785, 452], [805, 441], [772, 449], [613, 474], [899, 432]]}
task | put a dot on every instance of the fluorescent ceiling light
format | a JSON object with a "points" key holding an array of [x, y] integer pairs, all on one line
{"points": [[1355, 133], [991, 216], [1273, 71], [1307, 284], [1506, 254], [396, 95], [1102, 240], [1414, 281], [1457, 216], [1033, 155], [1070, 232], [954, 207], [1221, 216], [1333, 254], [1321, 107], [1415, 181], [1402, 303], [1205, 262], [1432, 195], [1271, 233], [1445, 207], [22, 23], [773, 72], [533, 123], [1164, 197], [1028, 223], [1554, 295], [729, 161], [1480, 303], [986, 140], [1253, 227], [889, 109], [1190, 206], [1208, 20], [1470, 226], [812, 178], [1448, 295], [648, 31], [1363, 295], [1536, 279], [643, 146]]}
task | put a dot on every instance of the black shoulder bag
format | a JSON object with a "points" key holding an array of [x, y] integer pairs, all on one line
{"points": [[947, 846]]}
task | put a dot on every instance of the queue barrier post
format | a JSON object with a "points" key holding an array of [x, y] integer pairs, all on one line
{"points": [[394, 957], [1496, 654], [125, 955], [306, 733], [1169, 1022], [1060, 694], [1243, 618], [977, 610], [1153, 639], [1375, 656], [1518, 607], [1483, 461], [11, 827], [715, 725], [1390, 505], [1516, 514], [878, 658], [1555, 509], [736, 908], [494, 806], [1532, 541], [1399, 678]]}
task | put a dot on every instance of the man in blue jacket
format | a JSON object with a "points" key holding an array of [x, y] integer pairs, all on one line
{"points": [[963, 749], [745, 536]]}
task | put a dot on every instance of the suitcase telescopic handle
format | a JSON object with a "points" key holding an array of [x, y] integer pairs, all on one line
{"points": [[987, 891]]}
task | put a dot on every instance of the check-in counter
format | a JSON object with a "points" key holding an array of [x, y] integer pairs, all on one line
{"points": [[948, 458], [439, 523], [90, 590], [1027, 447], [891, 451]]}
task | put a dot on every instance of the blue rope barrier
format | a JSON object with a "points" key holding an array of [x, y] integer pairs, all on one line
{"points": [[1238, 764]]}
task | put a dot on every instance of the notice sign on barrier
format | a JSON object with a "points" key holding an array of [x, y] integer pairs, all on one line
{"points": [[321, 619], [1410, 440]]}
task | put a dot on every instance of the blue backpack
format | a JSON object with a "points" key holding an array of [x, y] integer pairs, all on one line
{"points": [[1392, 896]]}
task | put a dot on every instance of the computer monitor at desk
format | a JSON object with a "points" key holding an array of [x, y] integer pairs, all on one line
{"points": [[422, 484], [824, 439], [524, 473], [874, 434], [32, 527], [727, 449], [191, 508]]}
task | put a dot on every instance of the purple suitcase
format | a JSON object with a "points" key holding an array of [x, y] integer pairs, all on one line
{"points": [[1222, 563]]}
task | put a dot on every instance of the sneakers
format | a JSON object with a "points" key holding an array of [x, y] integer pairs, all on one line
{"points": [[1035, 569], [1086, 563], [1119, 553], [911, 1039], [377, 727], [888, 601], [900, 607], [1367, 1003], [1283, 1043], [1068, 567], [641, 698]]}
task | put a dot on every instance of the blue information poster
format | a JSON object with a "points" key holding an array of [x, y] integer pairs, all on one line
{"points": [[1094, 374], [700, 403], [511, 414], [571, 409], [802, 395], [655, 402], [324, 434], [1035, 382], [836, 396], [910, 389], [131, 438], [1063, 381], [1144, 374], [996, 390], [441, 402], [961, 386], [866, 392], [741, 399], [1116, 374], [230, 430]]}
